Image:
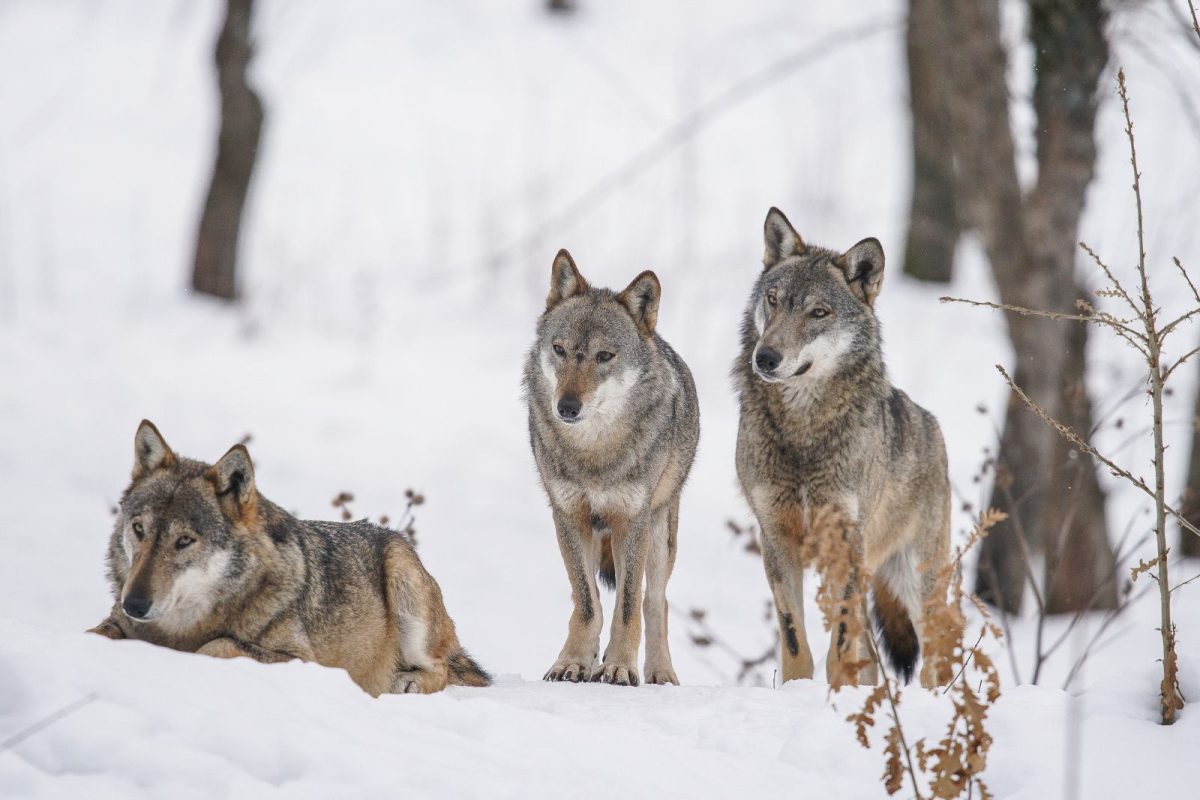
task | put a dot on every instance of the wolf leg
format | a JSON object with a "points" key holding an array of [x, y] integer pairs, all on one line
{"points": [[426, 632], [108, 628], [845, 655], [226, 647], [659, 563], [630, 542], [785, 574], [581, 555]]}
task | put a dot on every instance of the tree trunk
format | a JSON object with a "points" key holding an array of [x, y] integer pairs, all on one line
{"points": [[215, 269], [1189, 543], [1053, 498], [933, 227]]}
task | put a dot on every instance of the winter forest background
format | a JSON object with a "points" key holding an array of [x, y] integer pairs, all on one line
{"points": [[410, 170]]}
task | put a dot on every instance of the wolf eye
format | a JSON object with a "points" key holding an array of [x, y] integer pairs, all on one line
{"points": [[772, 298], [559, 351], [183, 541], [138, 530], [818, 313], [603, 356]]}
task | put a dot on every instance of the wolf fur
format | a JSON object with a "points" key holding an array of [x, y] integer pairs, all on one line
{"points": [[199, 561], [613, 422], [822, 428]]}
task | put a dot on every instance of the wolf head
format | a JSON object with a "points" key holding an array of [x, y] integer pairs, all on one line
{"points": [[811, 307], [593, 345], [179, 545]]}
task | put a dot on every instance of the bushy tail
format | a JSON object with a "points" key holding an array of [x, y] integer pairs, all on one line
{"points": [[465, 671], [896, 631], [607, 572]]}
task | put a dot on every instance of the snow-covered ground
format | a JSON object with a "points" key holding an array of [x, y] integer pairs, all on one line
{"points": [[417, 161]]}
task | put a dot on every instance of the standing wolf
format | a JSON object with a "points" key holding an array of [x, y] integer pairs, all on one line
{"points": [[823, 431], [200, 561], [614, 422]]}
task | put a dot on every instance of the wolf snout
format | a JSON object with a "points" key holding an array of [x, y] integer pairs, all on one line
{"points": [[136, 606], [569, 408], [767, 359]]}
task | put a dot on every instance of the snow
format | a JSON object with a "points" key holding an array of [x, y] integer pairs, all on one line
{"points": [[392, 282]]}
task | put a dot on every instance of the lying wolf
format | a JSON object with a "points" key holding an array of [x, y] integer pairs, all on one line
{"points": [[200, 561], [614, 422], [823, 431]]}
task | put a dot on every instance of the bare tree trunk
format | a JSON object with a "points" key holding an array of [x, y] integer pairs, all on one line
{"points": [[1031, 243], [1189, 543], [215, 269], [933, 227]]}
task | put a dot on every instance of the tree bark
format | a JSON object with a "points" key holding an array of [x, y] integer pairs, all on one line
{"points": [[1052, 495], [214, 271], [933, 226], [1189, 543]]}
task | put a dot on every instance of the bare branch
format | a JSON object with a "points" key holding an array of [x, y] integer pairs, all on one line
{"points": [[1179, 363], [1074, 439], [1112, 278], [1186, 277], [1098, 319]]}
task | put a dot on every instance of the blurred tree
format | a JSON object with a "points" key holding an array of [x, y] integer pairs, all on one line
{"points": [[1051, 492], [560, 5], [215, 269], [1189, 544], [933, 226]]}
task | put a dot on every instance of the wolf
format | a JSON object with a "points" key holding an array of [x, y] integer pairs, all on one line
{"points": [[200, 561], [822, 430], [614, 422]]}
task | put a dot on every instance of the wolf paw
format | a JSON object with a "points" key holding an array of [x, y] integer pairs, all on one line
{"points": [[661, 676], [221, 648], [619, 674], [409, 683], [108, 629], [570, 671]]}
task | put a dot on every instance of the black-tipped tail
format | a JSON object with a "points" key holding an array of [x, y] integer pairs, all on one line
{"points": [[896, 632], [607, 571], [465, 671]]}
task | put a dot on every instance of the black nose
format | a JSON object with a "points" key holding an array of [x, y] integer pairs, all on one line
{"points": [[136, 606], [568, 408], [767, 359]]}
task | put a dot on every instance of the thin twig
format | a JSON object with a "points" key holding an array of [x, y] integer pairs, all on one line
{"points": [[1073, 437], [966, 661], [46, 722], [1105, 319]]}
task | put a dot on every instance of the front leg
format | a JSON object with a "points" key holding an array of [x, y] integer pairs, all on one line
{"points": [[630, 543], [227, 647], [580, 552], [108, 628]]}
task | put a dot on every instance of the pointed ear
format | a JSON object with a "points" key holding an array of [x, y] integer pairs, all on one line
{"points": [[565, 280], [863, 266], [641, 299], [781, 239], [150, 450], [233, 479]]}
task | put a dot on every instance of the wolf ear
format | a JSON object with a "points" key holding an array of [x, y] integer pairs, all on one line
{"points": [[863, 267], [150, 450], [641, 299], [565, 280], [233, 479], [781, 238]]}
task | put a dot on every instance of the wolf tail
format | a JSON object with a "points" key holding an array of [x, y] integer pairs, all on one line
{"points": [[896, 630], [607, 571], [465, 671]]}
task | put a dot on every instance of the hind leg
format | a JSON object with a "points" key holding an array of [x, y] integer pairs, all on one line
{"points": [[426, 633], [659, 563]]}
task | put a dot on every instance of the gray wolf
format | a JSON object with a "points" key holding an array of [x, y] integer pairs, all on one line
{"points": [[613, 422], [822, 429], [200, 561]]}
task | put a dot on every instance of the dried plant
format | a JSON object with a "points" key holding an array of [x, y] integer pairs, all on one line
{"points": [[1146, 333], [953, 765], [406, 524]]}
